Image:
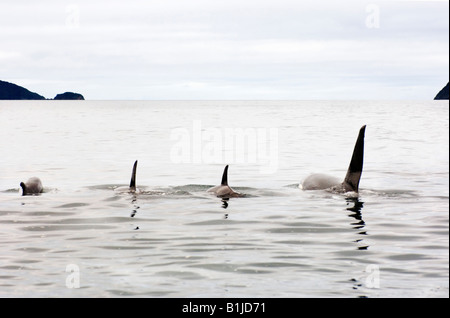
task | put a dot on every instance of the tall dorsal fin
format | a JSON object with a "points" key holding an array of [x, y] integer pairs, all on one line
{"points": [[351, 181], [225, 176], [133, 176]]}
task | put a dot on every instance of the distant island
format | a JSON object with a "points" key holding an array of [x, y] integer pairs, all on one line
{"points": [[444, 93], [69, 96], [10, 91]]}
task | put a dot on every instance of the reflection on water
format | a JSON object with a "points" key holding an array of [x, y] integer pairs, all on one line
{"points": [[356, 207], [225, 202], [359, 223], [135, 206]]}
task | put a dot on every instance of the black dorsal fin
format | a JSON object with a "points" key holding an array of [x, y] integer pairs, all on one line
{"points": [[351, 181], [225, 176], [24, 188], [133, 176]]}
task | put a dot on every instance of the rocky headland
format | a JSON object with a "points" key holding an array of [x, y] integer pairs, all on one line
{"points": [[443, 94], [10, 91]]}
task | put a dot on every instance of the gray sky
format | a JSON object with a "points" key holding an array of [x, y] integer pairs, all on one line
{"points": [[208, 49]]}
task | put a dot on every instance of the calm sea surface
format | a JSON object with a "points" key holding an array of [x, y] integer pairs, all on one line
{"points": [[83, 238]]}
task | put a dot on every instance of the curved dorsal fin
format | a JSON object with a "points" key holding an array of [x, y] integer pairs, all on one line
{"points": [[24, 188], [133, 176], [351, 181], [225, 176]]}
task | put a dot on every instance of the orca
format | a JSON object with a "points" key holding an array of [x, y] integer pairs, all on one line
{"points": [[132, 187], [223, 190], [32, 186], [352, 178]]}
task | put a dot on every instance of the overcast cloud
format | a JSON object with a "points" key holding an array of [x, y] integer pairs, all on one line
{"points": [[199, 49]]}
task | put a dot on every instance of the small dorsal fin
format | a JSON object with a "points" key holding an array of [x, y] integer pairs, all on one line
{"points": [[133, 176], [225, 176], [351, 181], [24, 188]]}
